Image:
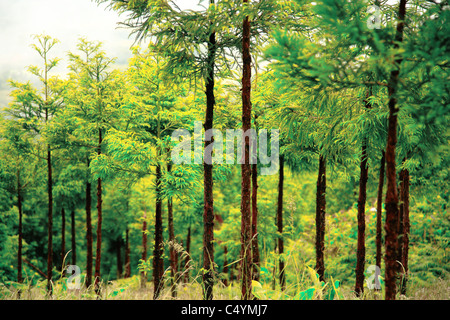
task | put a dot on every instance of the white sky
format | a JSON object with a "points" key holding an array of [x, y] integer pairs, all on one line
{"points": [[65, 20]]}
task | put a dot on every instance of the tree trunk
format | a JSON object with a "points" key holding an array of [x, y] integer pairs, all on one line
{"points": [[391, 224], [406, 228], [208, 209], [89, 239], [320, 218], [158, 266], [246, 245], [172, 252], [255, 246], [73, 238], [361, 247], [19, 251], [144, 248], [127, 254], [50, 222], [188, 257], [280, 225], [379, 210], [63, 237], [99, 223]]}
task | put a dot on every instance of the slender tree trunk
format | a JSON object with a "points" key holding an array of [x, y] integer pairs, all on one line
{"points": [[320, 218], [50, 223], [98, 256], [255, 246], [158, 266], [208, 209], [280, 225], [406, 228], [188, 257], [172, 252], [19, 251], [63, 237], [144, 248], [127, 254], [89, 239], [73, 238], [361, 247], [391, 224], [246, 249], [379, 210]]}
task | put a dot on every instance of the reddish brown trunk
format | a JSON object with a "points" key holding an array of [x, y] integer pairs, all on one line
{"points": [[391, 224], [406, 228], [19, 251], [98, 256], [379, 210], [280, 224], [158, 263], [73, 238], [320, 218], [255, 246], [246, 248], [361, 247], [63, 237], [89, 240], [208, 209]]}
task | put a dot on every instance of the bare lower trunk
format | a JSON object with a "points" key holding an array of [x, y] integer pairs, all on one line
{"points": [[89, 240], [127, 254], [98, 255], [19, 251], [280, 225], [361, 247], [320, 218], [379, 210], [50, 223], [208, 209], [172, 252], [188, 257], [246, 246], [63, 237], [391, 225], [73, 238], [406, 228], [158, 266], [144, 249]]}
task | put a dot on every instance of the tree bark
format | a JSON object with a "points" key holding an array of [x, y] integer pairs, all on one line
{"points": [[246, 245], [406, 228], [208, 209], [99, 222], [225, 266], [188, 257], [119, 258], [280, 225], [320, 218], [379, 210], [361, 247], [63, 237], [19, 251], [391, 225], [73, 238], [50, 222], [89, 239], [158, 266]]}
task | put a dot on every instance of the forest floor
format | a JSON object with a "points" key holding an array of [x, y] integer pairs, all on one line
{"points": [[129, 289]]}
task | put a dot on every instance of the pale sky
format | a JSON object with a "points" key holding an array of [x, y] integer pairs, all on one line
{"points": [[65, 20]]}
